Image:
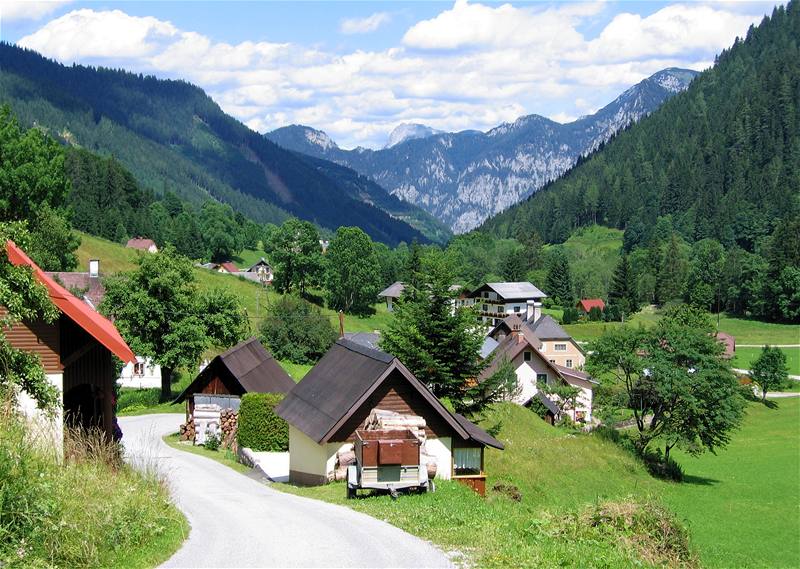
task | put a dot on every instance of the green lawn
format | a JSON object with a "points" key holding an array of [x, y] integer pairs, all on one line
{"points": [[747, 331], [743, 505], [746, 356], [223, 456], [297, 371]]}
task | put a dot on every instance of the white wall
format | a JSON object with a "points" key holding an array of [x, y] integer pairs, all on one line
{"points": [[49, 431], [151, 377], [442, 449], [305, 455]]}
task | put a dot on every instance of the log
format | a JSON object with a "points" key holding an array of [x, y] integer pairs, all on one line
{"points": [[346, 458]]}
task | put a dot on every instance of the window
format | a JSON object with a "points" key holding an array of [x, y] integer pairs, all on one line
{"points": [[485, 308], [569, 363], [541, 378], [138, 368], [552, 361], [560, 347], [517, 309], [526, 356], [467, 461]]}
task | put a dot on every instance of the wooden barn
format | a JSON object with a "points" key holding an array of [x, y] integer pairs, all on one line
{"points": [[247, 367], [337, 397], [76, 352]]}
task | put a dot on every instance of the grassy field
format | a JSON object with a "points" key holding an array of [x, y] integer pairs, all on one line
{"points": [[746, 356], [742, 506], [748, 331], [114, 257], [223, 456]]}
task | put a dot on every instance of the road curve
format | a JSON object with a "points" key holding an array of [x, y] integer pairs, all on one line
{"points": [[237, 521]]}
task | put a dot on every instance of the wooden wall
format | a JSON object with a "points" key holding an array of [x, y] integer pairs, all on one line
{"points": [[397, 395], [39, 338]]}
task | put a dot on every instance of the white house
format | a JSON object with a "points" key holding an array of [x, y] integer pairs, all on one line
{"points": [[495, 301], [141, 373], [515, 341]]}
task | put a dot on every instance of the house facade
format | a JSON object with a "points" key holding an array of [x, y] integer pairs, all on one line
{"points": [[336, 398], [516, 341], [495, 301], [261, 270], [556, 344], [76, 352]]}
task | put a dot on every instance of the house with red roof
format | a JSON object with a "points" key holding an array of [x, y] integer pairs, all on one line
{"points": [[147, 245], [77, 353], [587, 304]]}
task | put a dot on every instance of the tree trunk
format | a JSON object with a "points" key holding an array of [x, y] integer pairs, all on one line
{"points": [[166, 384], [667, 448]]}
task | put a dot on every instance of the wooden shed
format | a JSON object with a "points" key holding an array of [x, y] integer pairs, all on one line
{"points": [[76, 352], [336, 397], [247, 367]]}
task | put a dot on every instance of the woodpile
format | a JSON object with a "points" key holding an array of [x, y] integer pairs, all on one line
{"points": [[187, 431], [344, 458], [381, 419], [229, 422]]}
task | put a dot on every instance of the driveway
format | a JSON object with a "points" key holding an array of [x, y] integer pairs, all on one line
{"points": [[237, 521]]}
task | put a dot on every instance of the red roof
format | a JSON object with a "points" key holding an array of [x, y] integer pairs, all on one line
{"points": [[139, 243], [588, 303], [229, 266], [99, 327]]}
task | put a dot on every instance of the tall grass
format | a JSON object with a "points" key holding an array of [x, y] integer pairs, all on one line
{"points": [[88, 510]]}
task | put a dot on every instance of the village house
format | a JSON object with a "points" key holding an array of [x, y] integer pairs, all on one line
{"points": [[260, 271], [76, 352], [338, 395], [495, 301], [140, 373], [586, 304], [556, 344], [518, 342], [394, 291], [247, 367], [140, 244]]}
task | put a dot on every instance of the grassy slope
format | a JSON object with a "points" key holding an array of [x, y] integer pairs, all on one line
{"points": [[743, 505], [222, 456], [745, 357]]}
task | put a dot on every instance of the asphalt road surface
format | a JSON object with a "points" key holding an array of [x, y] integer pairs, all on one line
{"points": [[237, 521]]}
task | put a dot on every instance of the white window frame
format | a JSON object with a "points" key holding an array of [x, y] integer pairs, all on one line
{"points": [[560, 347], [568, 363]]}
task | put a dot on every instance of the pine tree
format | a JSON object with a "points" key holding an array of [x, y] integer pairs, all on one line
{"points": [[559, 279], [671, 272], [622, 292]]}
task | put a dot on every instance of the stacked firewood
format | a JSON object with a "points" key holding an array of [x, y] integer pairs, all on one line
{"points": [[229, 422], [344, 458], [187, 430]]}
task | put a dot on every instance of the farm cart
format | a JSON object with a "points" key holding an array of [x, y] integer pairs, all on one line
{"points": [[387, 460]]}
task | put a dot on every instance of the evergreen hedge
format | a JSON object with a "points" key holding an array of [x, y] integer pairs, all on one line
{"points": [[260, 429]]}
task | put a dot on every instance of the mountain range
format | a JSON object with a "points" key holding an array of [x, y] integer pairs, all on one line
{"points": [[465, 177], [172, 136]]}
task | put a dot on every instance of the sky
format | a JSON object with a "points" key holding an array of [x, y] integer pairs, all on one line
{"points": [[358, 69]]}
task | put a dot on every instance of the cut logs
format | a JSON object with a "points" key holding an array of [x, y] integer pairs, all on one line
{"points": [[229, 423], [187, 431]]}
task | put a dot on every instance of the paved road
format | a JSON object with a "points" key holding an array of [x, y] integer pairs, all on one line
{"points": [[237, 521]]}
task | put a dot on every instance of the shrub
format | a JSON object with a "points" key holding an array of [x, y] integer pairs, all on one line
{"points": [[570, 315], [296, 330], [212, 441], [613, 313], [260, 429], [595, 314]]}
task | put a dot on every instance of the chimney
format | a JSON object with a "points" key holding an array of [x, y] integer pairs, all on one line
{"points": [[533, 311], [341, 324], [94, 268]]}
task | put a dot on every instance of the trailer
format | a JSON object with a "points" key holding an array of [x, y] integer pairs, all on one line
{"points": [[387, 460]]}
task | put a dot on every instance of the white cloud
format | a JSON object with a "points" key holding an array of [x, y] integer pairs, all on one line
{"points": [[472, 66], [28, 10], [364, 25]]}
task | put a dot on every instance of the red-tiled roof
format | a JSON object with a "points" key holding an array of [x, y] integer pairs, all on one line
{"points": [[229, 266], [139, 243], [588, 303], [99, 327]]}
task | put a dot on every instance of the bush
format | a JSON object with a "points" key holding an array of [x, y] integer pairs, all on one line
{"points": [[570, 315], [595, 314], [260, 429], [213, 440], [613, 313], [296, 330]]}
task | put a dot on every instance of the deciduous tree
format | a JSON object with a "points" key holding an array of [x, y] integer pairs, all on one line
{"points": [[163, 315], [352, 272], [769, 371]]}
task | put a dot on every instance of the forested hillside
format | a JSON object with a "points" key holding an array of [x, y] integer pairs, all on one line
{"points": [[171, 135], [723, 158], [717, 166]]}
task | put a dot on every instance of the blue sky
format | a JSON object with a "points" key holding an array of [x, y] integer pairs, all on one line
{"points": [[358, 69]]}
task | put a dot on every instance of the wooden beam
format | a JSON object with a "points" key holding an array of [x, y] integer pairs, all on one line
{"points": [[78, 354]]}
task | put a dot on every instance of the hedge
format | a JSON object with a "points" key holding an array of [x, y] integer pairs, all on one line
{"points": [[260, 429]]}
